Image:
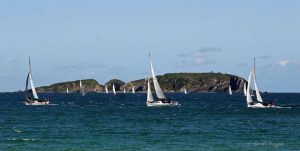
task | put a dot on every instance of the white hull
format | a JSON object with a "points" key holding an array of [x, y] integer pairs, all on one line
{"points": [[37, 103], [160, 103], [260, 105]]}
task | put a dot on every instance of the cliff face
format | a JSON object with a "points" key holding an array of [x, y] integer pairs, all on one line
{"points": [[171, 82], [89, 85]]}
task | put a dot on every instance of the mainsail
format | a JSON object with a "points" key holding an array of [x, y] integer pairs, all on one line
{"points": [[229, 89], [29, 78], [67, 90], [245, 89], [149, 93], [159, 92], [133, 90], [81, 87], [114, 89], [185, 92], [26, 87], [249, 98], [106, 89], [124, 90]]}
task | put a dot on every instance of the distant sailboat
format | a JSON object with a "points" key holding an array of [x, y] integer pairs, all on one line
{"points": [[250, 102], [124, 91], [114, 89], [106, 89], [184, 90], [229, 90], [67, 90], [245, 89], [35, 100], [81, 88], [162, 100], [133, 90]]}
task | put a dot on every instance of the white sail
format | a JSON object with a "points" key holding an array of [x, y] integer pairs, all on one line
{"points": [[32, 87], [31, 82], [258, 96], [249, 98], [81, 88], [114, 89], [245, 89], [185, 92], [159, 92], [149, 93], [124, 90], [106, 89], [67, 90], [229, 89], [133, 90]]}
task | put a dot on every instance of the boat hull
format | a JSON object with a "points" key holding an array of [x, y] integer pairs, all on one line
{"points": [[160, 103], [260, 105], [35, 102]]}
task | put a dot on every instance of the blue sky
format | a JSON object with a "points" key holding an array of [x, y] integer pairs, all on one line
{"points": [[78, 39]]}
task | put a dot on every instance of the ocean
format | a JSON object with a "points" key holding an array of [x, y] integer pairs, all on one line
{"points": [[204, 121]]}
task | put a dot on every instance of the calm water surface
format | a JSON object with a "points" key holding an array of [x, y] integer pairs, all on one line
{"points": [[123, 122]]}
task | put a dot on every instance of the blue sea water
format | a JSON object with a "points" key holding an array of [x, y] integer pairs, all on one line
{"points": [[123, 122]]}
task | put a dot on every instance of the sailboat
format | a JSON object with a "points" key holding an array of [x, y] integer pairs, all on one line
{"points": [[133, 90], [245, 89], [259, 103], [184, 90], [35, 100], [106, 89], [124, 91], [162, 100], [229, 90], [114, 89], [81, 88], [67, 90]]}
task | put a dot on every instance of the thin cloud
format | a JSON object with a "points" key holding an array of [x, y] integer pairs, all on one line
{"points": [[263, 57], [198, 57], [209, 49], [283, 63]]}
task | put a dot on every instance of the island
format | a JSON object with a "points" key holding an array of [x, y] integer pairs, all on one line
{"points": [[170, 82]]}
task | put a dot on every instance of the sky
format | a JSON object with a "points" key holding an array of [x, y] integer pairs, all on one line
{"points": [[79, 39]]}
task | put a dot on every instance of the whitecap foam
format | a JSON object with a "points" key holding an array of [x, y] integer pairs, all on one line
{"points": [[23, 139], [18, 131]]}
